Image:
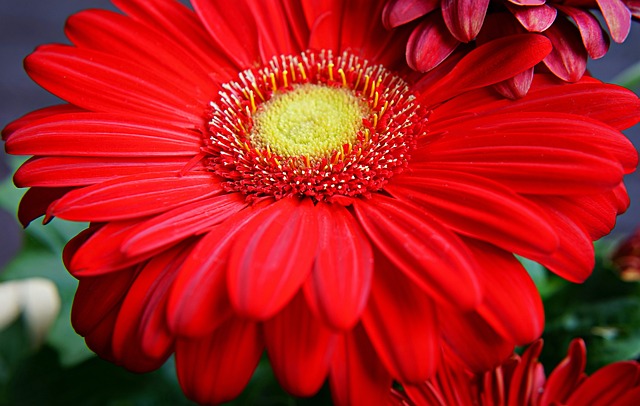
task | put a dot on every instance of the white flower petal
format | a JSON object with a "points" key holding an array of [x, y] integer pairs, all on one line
{"points": [[9, 304], [40, 302]]}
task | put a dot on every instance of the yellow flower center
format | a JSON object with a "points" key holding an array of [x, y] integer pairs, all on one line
{"points": [[310, 120]]}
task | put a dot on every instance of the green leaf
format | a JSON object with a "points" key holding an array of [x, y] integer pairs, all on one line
{"points": [[630, 77]]}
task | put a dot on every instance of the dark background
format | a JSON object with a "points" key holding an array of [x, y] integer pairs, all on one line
{"points": [[26, 24]]}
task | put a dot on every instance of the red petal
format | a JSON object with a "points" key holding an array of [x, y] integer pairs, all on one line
{"points": [[105, 83], [339, 26], [442, 70], [579, 144], [430, 254], [106, 135], [99, 340], [499, 25], [127, 341], [593, 171], [611, 104], [574, 258], [76, 242], [134, 196], [80, 171], [116, 34], [102, 253], [234, 29], [338, 286], [400, 320], [511, 303], [535, 19], [37, 115], [517, 86], [36, 201], [357, 377], [620, 198], [323, 23], [475, 342], [566, 376], [368, 38], [176, 21], [595, 213], [96, 297], [430, 44], [528, 2], [521, 387], [181, 222], [216, 368], [399, 12], [199, 300], [449, 386], [300, 348], [297, 22], [141, 330], [594, 39], [274, 30], [272, 256], [634, 7], [618, 18], [478, 208], [630, 398], [568, 59], [464, 18], [490, 63], [607, 384]]}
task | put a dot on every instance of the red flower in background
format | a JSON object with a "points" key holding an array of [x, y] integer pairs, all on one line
{"points": [[575, 32], [626, 258], [522, 381], [273, 176]]}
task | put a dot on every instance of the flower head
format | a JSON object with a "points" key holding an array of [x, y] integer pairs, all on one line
{"points": [[271, 175], [443, 27], [521, 380]]}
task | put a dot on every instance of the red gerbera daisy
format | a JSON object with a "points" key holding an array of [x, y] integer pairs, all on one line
{"points": [[521, 381], [272, 175], [573, 29]]}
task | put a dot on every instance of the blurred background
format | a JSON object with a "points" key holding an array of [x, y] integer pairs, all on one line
{"points": [[58, 368]]}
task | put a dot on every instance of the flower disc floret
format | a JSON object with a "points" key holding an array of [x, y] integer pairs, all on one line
{"points": [[309, 120], [313, 125]]}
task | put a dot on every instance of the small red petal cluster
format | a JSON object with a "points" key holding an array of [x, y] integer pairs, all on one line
{"points": [[521, 381], [440, 30], [193, 250]]}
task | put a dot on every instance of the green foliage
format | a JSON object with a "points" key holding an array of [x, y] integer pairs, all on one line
{"points": [[41, 379], [630, 77], [604, 311]]}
